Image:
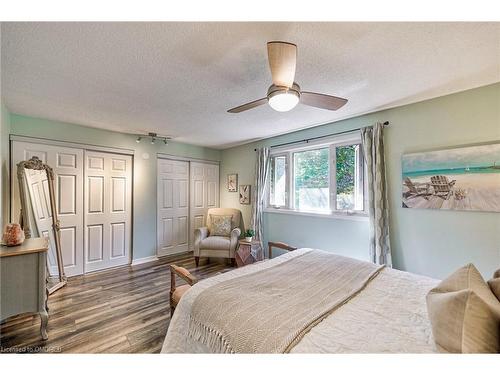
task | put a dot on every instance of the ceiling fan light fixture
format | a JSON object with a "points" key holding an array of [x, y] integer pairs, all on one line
{"points": [[283, 99]]}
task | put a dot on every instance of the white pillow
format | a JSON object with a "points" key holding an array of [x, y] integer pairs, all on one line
{"points": [[464, 313], [494, 284]]}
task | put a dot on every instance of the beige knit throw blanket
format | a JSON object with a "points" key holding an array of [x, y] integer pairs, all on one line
{"points": [[269, 311]]}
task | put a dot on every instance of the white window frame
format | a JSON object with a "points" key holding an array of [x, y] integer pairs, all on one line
{"points": [[287, 182], [332, 143]]}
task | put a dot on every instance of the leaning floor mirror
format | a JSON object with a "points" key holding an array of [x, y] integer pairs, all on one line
{"points": [[39, 214]]}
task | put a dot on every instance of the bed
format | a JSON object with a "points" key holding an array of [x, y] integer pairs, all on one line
{"points": [[385, 313]]}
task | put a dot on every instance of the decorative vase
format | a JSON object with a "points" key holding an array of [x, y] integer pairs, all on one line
{"points": [[13, 235], [248, 239]]}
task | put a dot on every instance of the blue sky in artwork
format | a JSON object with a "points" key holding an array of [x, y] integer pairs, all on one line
{"points": [[463, 157]]}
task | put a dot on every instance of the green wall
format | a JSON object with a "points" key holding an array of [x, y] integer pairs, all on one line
{"points": [[4, 165], [428, 242], [144, 194]]}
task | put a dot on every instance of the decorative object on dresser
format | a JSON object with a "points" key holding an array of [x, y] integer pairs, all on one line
{"points": [[13, 235], [206, 244], [176, 292], [245, 194], [38, 210], [232, 182], [248, 252], [23, 284]]}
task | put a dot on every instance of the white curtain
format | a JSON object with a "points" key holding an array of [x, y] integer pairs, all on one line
{"points": [[373, 149], [261, 177]]}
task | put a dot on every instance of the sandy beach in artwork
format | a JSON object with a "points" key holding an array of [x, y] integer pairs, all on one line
{"points": [[481, 193]]}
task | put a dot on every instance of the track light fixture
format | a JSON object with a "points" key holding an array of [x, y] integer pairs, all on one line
{"points": [[154, 137]]}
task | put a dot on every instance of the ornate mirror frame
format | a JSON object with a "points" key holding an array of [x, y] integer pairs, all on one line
{"points": [[36, 164]]}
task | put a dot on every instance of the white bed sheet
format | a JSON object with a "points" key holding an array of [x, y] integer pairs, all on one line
{"points": [[388, 316]]}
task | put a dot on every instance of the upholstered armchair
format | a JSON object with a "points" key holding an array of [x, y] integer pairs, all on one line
{"points": [[206, 245]]}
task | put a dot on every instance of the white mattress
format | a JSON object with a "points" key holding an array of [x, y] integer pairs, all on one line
{"points": [[388, 316]]}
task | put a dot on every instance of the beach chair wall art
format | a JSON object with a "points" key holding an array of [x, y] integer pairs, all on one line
{"points": [[462, 178]]}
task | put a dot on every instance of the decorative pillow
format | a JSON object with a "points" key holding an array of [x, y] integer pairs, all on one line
{"points": [[494, 284], [221, 225], [464, 313]]}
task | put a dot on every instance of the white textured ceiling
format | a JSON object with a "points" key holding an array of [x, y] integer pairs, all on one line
{"points": [[179, 79]]}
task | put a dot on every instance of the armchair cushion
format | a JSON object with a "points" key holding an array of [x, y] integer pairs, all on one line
{"points": [[221, 225], [236, 222], [215, 243], [179, 292]]}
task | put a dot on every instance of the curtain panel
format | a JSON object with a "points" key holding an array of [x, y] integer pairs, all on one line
{"points": [[372, 139], [259, 196]]}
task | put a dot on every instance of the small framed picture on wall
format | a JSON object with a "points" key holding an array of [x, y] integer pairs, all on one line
{"points": [[245, 194], [232, 182]]}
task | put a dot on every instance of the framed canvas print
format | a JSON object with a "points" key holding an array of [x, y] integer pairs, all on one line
{"points": [[245, 194], [462, 178], [232, 182]]}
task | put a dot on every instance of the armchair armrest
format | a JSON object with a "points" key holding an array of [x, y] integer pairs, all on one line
{"points": [[279, 245], [234, 237], [200, 233], [183, 274]]}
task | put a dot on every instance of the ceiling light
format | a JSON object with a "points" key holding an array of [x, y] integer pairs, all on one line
{"points": [[283, 99], [154, 138]]}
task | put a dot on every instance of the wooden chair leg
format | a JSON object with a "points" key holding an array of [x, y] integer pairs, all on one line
{"points": [[197, 261]]}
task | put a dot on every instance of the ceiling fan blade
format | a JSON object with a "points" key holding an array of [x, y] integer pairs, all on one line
{"points": [[282, 61], [322, 100], [248, 106]]}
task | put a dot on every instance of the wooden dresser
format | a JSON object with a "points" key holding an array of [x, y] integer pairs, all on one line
{"points": [[23, 285]]}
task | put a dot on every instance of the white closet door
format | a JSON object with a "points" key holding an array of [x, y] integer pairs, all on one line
{"points": [[108, 207], [204, 193], [173, 207], [67, 164]]}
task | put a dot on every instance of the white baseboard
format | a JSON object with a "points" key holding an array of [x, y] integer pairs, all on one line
{"points": [[152, 258]]}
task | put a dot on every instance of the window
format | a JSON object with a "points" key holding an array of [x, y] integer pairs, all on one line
{"points": [[323, 178], [348, 170], [278, 197], [311, 180]]}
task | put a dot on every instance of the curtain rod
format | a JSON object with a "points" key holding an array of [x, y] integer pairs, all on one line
{"points": [[319, 137]]}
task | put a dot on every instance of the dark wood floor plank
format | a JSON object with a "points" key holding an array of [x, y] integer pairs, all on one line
{"points": [[123, 310]]}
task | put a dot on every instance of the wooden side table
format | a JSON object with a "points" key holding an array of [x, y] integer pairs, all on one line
{"points": [[23, 284], [248, 252]]}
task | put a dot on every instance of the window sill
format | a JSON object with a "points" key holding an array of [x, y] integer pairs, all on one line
{"points": [[355, 216]]}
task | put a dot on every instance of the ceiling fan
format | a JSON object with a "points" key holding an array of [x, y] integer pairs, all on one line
{"points": [[284, 94]]}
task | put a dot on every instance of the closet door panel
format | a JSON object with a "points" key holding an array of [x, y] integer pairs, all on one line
{"points": [[107, 210], [67, 164], [204, 193], [172, 207]]}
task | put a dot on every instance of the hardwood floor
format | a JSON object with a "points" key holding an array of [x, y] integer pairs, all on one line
{"points": [[125, 310]]}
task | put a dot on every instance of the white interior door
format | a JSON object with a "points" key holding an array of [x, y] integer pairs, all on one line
{"points": [[108, 207], [67, 164], [204, 193], [173, 207]]}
